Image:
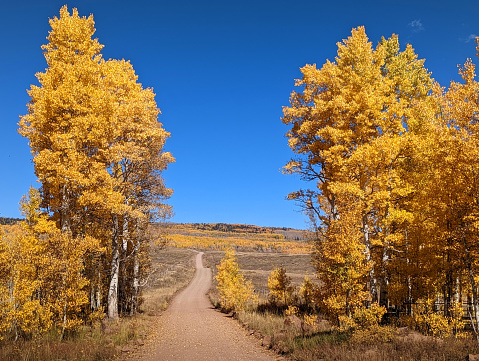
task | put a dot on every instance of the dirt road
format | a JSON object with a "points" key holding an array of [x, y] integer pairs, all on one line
{"points": [[190, 329]]}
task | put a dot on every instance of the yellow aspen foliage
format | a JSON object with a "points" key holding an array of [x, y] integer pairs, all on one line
{"points": [[235, 291], [5, 277], [98, 153], [43, 284], [368, 317], [456, 184], [280, 286], [65, 116], [347, 130], [307, 292]]}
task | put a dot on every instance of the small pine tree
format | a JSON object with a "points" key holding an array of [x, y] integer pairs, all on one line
{"points": [[235, 291]]}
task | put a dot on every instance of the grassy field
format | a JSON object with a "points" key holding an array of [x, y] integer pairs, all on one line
{"points": [[172, 269], [258, 266], [321, 341]]}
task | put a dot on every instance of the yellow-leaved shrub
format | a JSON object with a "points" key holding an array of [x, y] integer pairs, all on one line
{"points": [[235, 291], [280, 287]]}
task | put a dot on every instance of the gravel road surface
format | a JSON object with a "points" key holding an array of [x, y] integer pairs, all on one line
{"points": [[191, 329]]}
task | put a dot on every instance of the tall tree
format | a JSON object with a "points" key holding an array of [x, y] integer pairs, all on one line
{"points": [[458, 203], [98, 152], [65, 115], [347, 129]]}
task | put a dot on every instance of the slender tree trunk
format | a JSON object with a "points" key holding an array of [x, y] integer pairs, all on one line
{"points": [[95, 292], [136, 282], [115, 263], [408, 278], [409, 296], [448, 287], [475, 301], [124, 296], [65, 211], [448, 293], [64, 324], [93, 298], [99, 290], [373, 284], [458, 291], [65, 302]]}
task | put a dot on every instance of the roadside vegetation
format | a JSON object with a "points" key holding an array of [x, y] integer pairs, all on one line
{"points": [[171, 269], [77, 261], [286, 318]]}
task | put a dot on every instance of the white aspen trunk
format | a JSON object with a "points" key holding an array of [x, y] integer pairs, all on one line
{"points": [[64, 211], [136, 282], [98, 290], [475, 301], [115, 263], [373, 284], [448, 291], [95, 292], [64, 319], [383, 299], [409, 281], [125, 235], [123, 282], [409, 295], [334, 209], [458, 291], [64, 323], [93, 298]]}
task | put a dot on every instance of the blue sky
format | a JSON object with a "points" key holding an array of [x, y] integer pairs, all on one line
{"points": [[222, 70]]}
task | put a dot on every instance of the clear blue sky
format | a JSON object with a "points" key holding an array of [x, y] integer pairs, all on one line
{"points": [[222, 70]]}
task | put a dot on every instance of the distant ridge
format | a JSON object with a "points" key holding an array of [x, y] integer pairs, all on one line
{"points": [[288, 233], [8, 221]]}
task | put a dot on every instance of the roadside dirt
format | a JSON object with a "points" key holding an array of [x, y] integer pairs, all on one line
{"points": [[191, 329]]}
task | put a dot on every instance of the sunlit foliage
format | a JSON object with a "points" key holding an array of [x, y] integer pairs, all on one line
{"points": [[393, 159], [43, 283], [235, 291], [98, 153], [280, 287]]}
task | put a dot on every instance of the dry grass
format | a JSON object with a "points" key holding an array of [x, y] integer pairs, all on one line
{"points": [[431, 350], [339, 346], [258, 266], [326, 344], [171, 270], [81, 348]]}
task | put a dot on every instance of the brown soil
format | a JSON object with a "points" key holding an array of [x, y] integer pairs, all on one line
{"points": [[191, 329]]}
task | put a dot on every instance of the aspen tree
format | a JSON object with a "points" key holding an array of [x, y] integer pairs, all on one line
{"points": [[457, 205], [98, 152], [347, 130], [234, 290], [65, 116], [280, 287], [135, 160]]}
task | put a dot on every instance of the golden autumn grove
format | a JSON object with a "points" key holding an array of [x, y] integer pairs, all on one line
{"points": [[392, 192], [98, 153], [394, 206]]}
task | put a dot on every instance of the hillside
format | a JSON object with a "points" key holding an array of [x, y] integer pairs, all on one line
{"points": [[218, 236], [8, 221]]}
